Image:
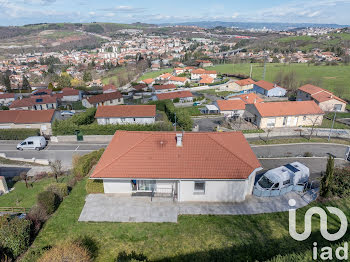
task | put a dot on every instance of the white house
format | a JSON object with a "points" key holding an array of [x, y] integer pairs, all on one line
{"points": [[210, 167], [106, 99], [269, 89], [231, 108], [71, 95], [126, 114], [7, 98], [197, 74]]}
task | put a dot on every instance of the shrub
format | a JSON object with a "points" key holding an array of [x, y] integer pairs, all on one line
{"points": [[89, 244], [83, 165], [340, 186], [60, 189], [15, 236], [94, 186], [18, 134], [68, 252], [49, 201], [41, 175], [85, 118], [71, 183], [307, 154], [37, 215], [133, 256], [16, 179]]}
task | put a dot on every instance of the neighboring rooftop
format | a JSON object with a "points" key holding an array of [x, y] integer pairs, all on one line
{"points": [[266, 85], [230, 105], [155, 155], [26, 116], [173, 95], [288, 108], [319, 94], [245, 82], [104, 97], [126, 111]]}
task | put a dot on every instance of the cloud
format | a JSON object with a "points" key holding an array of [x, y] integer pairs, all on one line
{"points": [[124, 9]]}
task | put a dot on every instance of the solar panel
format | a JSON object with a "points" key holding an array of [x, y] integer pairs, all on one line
{"points": [[39, 100]]}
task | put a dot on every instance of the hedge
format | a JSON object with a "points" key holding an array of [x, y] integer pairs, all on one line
{"points": [[94, 186], [83, 164], [49, 201], [66, 128], [60, 189], [18, 134], [15, 236]]}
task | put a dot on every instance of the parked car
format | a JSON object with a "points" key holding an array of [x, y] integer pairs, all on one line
{"points": [[33, 142], [197, 103], [67, 113]]}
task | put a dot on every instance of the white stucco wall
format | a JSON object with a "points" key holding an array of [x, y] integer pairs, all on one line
{"points": [[126, 120], [117, 186]]}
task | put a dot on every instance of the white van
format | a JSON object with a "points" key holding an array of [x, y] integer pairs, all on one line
{"points": [[33, 142]]}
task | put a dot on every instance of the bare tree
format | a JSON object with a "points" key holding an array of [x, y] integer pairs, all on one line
{"points": [[314, 122], [24, 177], [56, 168]]}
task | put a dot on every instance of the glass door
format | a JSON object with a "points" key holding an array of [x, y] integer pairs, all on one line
{"points": [[146, 185]]}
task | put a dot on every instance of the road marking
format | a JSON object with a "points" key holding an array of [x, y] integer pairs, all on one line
{"points": [[77, 148]]}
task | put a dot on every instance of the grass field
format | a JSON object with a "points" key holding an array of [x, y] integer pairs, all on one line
{"points": [[154, 74], [111, 76], [25, 197], [329, 77], [193, 238]]}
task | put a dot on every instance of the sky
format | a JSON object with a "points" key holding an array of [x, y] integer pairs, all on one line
{"points": [[20, 12]]}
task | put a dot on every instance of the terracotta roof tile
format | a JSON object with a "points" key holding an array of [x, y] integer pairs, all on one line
{"points": [[154, 155], [26, 116], [245, 82], [104, 97], [250, 98], [290, 108], [266, 85], [229, 105], [7, 95], [319, 94], [126, 111], [173, 95], [34, 100], [162, 87]]}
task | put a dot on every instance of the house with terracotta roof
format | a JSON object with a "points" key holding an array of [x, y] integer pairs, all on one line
{"points": [[148, 81], [109, 88], [231, 108], [178, 71], [7, 98], [164, 88], [183, 96], [250, 98], [71, 95], [126, 114], [35, 102], [179, 165], [325, 99], [197, 74], [242, 85], [284, 114], [106, 99], [269, 89], [178, 81], [205, 80], [36, 119]]}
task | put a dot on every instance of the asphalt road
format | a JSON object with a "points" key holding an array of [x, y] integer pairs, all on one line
{"points": [[270, 156]]}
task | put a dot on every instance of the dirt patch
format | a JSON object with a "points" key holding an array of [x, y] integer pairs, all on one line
{"points": [[329, 77]]}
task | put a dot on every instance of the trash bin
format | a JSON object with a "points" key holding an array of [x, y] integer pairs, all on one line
{"points": [[79, 135]]}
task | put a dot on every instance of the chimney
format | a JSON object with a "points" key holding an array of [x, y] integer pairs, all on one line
{"points": [[255, 101], [179, 138]]}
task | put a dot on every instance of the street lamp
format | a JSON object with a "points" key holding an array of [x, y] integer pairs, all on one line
{"points": [[330, 131]]}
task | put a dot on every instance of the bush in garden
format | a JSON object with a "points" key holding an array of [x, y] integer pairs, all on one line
{"points": [[89, 244], [16, 179], [67, 252], [71, 183], [340, 186], [60, 189], [94, 186], [49, 201], [83, 164], [18, 134], [41, 175], [15, 236], [37, 215], [133, 256]]}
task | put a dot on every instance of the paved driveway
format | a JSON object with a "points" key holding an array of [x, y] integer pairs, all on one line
{"points": [[114, 208]]}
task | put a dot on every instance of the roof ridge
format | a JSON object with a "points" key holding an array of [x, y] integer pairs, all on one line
{"points": [[115, 159], [210, 135]]}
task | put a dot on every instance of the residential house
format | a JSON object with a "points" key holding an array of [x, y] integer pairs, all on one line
{"points": [[183, 96], [325, 99], [71, 95], [109, 88], [269, 89], [231, 108], [179, 70], [126, 114], [204, 63], [197, 74], [106, 99], [176, 80], [284, 114], [7, 98], [164, 88], [250, 98], [148, 81], [35, 102], [242, 85], [206, 80], [28, 119], [205, 167]]}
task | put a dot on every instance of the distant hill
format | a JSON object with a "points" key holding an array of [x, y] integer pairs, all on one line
{"points": [[256, 25]]}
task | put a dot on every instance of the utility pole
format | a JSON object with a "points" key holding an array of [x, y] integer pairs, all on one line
{"points": [[175, 122], [330, 131], [251, 70], [264, 73]]}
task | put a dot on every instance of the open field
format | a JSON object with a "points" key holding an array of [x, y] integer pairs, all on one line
{"points": [[111, 76], [193, 238], [328, 77], [154, 74]]}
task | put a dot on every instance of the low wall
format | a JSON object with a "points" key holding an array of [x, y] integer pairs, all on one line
{"points": [[32, 160], [91, 139]]}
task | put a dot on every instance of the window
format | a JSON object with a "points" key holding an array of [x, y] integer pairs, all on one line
{"points": [[134, 119], [338, 107], [271, 122], [284, 121], [286, 182], [304, 118], [30, 143], [199, 187]]}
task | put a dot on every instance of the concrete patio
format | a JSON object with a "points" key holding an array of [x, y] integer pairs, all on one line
{"points": [[117, 208]]}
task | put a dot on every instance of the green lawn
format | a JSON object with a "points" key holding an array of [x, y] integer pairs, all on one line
{"points": [[192, 110], [193, 238], [25, 197], [326, 123], [329, 77], [154, 74], [111, 77]]}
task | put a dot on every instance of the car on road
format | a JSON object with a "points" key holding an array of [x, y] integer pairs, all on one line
{"points": [[67, 113], [33, 142], [197, 103]]}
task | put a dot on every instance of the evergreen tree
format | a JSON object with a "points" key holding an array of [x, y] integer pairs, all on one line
{"points": [[7, 83], [26, 84], [50, 86], [327, 178], [87, 77]]}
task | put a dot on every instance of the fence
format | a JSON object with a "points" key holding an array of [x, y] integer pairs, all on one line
{"points": [[14, 210]]}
